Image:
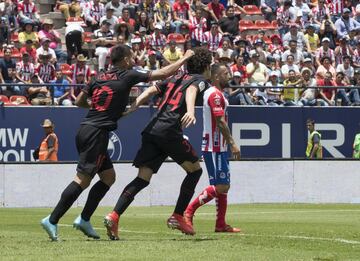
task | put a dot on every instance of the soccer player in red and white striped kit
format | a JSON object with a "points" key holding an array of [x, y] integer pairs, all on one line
{"points": [[216, 138]]}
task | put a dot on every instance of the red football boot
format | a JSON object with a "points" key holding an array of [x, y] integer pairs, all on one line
{"points": [[227, 229], [188, 217], [177, 221], [111, 223]]}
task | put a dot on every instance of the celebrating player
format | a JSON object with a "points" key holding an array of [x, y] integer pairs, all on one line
{"points": [[109, 96], [163, 137], [216, 138]]}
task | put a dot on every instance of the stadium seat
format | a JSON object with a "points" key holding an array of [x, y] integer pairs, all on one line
{"points": [[18, 100], [87, 37], [75, 19], [263, 24], [246, 25], [14, 37], [274, 24], [178, 38], [252, 10], [65, 69], [15, 54], [4, 99], [267, 39]]}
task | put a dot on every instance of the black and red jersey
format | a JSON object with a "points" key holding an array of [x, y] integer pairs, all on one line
{"points": [[109, 96], [172, 107]]}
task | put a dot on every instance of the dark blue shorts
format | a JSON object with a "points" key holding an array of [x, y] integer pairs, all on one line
{"points": [[217, 165]]}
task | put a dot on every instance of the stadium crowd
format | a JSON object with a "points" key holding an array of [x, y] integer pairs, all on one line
{"points": [[278, 51]]}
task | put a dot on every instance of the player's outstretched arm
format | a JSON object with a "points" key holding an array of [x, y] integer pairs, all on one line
{"points": [[81, 100], [190, 97], [171, 69], [141, 99], [225, 131]]}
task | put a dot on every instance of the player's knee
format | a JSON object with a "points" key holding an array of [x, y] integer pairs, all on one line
{"points": [[222, 188], [196, 174], [83, 180], [145, 173], [108, 177], [191, 167]]}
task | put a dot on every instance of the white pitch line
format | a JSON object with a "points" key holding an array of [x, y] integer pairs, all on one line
{"points": [[254, 212], [337, 240]]}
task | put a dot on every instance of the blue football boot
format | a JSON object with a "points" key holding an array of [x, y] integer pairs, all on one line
{"points": [[85, 227], [49, 228]]}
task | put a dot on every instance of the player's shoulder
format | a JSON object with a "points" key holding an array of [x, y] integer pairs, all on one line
{"points": [[213, 91], [199, 81]]}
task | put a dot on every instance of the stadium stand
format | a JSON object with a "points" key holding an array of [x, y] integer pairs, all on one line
{"points": [[263, 28]]}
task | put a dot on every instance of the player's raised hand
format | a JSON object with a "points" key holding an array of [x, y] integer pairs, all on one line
{"points": [[189, 53], [188, 119], [235, 151]]}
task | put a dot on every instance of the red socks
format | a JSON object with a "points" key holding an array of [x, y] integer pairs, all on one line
{"points": [[221, 205], [205, 196]]}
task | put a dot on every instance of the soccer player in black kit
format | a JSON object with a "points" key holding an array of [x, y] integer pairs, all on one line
{"points": [[109, 96], [163, 137]]}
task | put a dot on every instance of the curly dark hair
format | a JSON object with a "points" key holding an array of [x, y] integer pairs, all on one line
{"points": [[198, 63]]}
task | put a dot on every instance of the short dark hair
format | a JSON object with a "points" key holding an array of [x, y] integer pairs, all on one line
{"points": [[215, 68], [346, 57], [292, 41], [311, 121], [291, 70], [119, 52], [198, 63], [229, 7]]}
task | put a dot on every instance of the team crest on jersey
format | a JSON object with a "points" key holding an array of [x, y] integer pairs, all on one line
{"points": [[114, 146], [202, 86], [222, 175]]}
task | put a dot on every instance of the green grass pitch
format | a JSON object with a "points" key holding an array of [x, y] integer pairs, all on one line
{"points": [[270, 232]]}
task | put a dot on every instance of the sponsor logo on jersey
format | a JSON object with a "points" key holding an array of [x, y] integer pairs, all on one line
{"points": [[141, 71], [114, 147]]}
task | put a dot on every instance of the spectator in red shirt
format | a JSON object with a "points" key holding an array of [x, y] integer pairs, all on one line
{"points": [[125, 17], [217, 10], [28, 48], [327, 94], [239, 66], [181, 11]]}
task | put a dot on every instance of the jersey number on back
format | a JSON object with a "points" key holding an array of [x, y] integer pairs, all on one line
{"points": [[101, 98], [172, 97]]}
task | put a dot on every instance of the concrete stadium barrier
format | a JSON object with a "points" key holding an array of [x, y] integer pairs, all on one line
{"points": [[328, 181]]}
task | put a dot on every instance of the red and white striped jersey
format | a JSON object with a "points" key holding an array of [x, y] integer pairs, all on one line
{"points": [[158, 41], [356, 56], [95, 11], [342, 52], [215, 105], [213, 41], [25, 71], [282, 16], [320, 13], [46, 72], [198, 27], [337, 6], [320, 53], [28, 9], [76, 69]]}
